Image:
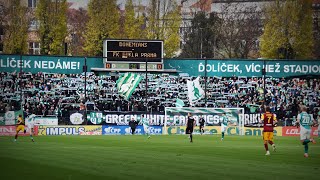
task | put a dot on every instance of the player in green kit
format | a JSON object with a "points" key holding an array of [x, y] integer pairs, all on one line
{"points": [[224, 125], [145, 123], [305, 121]]}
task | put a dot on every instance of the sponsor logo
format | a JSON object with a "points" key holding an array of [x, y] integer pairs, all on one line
{"points": [[126, 130], [11, 131], [76, 118], [64, 130], [112, 130], [137, 131], [70, 130], [217, 130], [181, 130], [153, 130], [294, 131], [7, 130]]}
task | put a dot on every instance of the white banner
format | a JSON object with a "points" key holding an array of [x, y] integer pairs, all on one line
{"points": [[76, 118], [195, 92], [40, 120], [9, 118]]}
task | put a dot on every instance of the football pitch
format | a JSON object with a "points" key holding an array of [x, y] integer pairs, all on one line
{"points": [[160, 157]]}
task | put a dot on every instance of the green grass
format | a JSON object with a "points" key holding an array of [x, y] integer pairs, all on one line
{"points": [[161, 157]]}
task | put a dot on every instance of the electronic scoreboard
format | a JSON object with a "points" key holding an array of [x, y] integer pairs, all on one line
{"points": [[133, 54]]}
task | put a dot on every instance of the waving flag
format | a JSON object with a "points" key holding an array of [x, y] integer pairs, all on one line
{"points": [[195, 92], [127, 83], [179, 103]]}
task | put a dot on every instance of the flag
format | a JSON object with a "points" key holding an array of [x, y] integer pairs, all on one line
{"points": [[179, 103], [127, 83], [195, 92]]}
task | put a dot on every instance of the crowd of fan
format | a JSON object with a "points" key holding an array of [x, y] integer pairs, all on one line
{"points": [[60, 94]]}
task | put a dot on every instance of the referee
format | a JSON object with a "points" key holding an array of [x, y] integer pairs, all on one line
{"points": [[133, 124], [190, 125], [201, 122]]}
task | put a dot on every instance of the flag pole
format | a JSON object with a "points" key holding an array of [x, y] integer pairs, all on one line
{"points": [[205, 82]]}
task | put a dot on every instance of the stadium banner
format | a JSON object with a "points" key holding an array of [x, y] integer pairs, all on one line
{"points": [[69, 130], [212, 130], [251, 120], [294, 131], [223, 68], [123, 118], [76, 118], [49, 64], [11, 131], [10, 117], [126, 130], [41, 120], [230, 68]]}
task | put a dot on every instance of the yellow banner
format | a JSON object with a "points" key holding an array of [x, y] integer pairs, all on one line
{"points": [[249, 131], [69, 130], [231, 130]]}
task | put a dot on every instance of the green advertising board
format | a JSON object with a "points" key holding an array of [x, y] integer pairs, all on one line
{"points": [[229, 68], [49, 64], [209, 67]]}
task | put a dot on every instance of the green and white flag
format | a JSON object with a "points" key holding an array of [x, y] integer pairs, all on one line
{"points": [[195, 92], [127, 83], [179, 103]]}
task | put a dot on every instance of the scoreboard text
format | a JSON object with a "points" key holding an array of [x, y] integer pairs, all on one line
{"points": [[116, 66], [133, 51]]}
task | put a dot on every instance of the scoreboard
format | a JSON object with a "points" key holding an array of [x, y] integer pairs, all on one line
{"points": [[132, 52], [151, 66]]}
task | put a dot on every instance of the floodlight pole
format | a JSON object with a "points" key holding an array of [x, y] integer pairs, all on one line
{"points": [[85, 79], [205, 82], [146, 85], [264, 83], [21, 64], [201, 43]]}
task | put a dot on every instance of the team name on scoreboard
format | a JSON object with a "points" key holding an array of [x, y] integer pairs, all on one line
{"points": [[133, 44], [133, 51], [130, 54]]}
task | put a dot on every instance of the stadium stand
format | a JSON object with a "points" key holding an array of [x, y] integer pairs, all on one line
{"points": [[59, 94]]}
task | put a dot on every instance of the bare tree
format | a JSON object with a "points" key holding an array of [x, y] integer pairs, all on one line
{"points": [[239, 31], [77, 21]]}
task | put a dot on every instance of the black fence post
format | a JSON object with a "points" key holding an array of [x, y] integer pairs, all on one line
{"points": [[264, 83], [85, 89], [146, 85]]}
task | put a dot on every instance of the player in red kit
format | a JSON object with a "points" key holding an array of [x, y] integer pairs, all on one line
{"points": [[269, 120]]}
